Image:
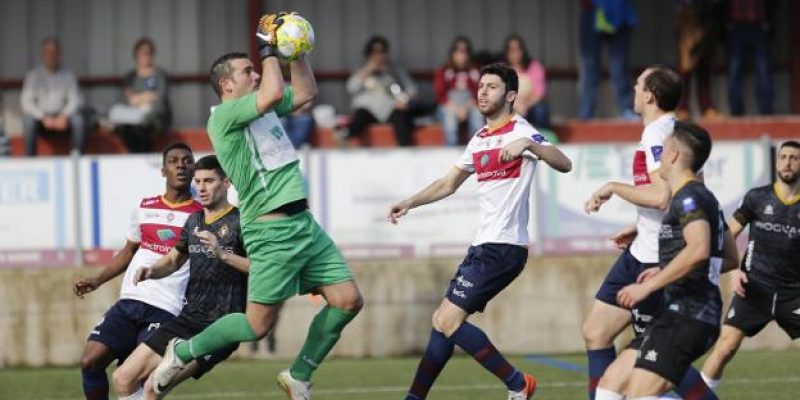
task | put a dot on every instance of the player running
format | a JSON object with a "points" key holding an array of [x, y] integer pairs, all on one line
{"points": [[694, 249], [768, 285], [503, 155], [156, 226], [289, 252], [212, 242]]}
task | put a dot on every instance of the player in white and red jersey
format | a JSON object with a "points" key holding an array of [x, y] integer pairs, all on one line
{"points": [[156, 226], [503, 155]]}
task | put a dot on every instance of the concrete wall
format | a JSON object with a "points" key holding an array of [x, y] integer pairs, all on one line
{"points": [[43, 323]]}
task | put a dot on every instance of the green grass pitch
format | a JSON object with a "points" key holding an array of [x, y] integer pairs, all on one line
{"points": [[751, 375]]}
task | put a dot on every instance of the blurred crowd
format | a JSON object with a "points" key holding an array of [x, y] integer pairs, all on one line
{"points": [[382, 91]]}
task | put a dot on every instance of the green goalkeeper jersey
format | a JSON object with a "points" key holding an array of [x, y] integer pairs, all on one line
{"points": [[255, 152]]}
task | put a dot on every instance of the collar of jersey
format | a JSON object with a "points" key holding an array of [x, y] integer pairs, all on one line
{"points": [[784, 200], [686, 182], [218, 216], [505, 127], [175, 205]]}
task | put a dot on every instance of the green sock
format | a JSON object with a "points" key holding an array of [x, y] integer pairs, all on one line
{"points": [[230, 329], [323, 333]]}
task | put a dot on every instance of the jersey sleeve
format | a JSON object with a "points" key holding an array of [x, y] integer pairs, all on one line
{"points": [[653, 146], [689, 209], [466, 162], [745, 213], [284, 108], [232, 114], [134, 230]]}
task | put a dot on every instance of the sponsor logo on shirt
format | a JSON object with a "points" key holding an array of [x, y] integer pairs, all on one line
{"points": [[689, 205], [789, 230], [640, 174], [489, 167], [657, 150], [165, 234]]}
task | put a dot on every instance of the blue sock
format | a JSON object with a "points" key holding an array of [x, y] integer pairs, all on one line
{"points": [[475, 342], [599, 360], [95, 383], [692, 387], [438, 352]]}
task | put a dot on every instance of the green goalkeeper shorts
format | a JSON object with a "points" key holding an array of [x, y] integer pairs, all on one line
{"points": [[290, 256]]}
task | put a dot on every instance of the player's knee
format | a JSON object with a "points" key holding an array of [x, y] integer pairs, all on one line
{"points": [[91, 362], [594, 335], [123, 383], [444, 324]]}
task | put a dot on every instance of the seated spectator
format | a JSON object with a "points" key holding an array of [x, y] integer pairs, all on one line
{"points": [[146, 112], [383, 92], [530, 102], [456, 87], [299, 125], [51, 101]]}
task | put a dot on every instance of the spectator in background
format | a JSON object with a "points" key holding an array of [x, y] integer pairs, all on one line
{"points": [[383, 92], [456, 87], [299, 125], [146, 112], [530, 102], [608, 21], [51, 101], [749, 25], [697, 27]]}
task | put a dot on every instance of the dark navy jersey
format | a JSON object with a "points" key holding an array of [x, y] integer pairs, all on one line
{"points": [[214, 288], [696, 295], [773, 253]]}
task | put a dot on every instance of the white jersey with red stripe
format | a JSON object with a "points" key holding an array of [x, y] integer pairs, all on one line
{"points": [[156, 224], [646, 160], [503, 187]]}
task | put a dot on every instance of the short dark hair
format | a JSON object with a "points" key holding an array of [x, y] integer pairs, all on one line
{"points": [[173, 146], [790, 143], [372, 41], [696, 139], [506, 74], [222, 69], [144, 41], [666, 85], [210, 163]]}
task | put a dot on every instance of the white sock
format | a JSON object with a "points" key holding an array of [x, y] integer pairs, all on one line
{"points": [[603, 394], [137, 395], [711, 383]]}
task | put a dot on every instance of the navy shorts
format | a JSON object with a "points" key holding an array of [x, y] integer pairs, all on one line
{"points": [[126, 324], [625, 272], [486, 270], [185, 328]]}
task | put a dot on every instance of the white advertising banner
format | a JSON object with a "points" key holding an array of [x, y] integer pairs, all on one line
{"points": [[352, 191], [564, 228], [36, 204]]}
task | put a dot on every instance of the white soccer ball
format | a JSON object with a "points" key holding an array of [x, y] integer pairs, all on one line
{"points": [[295, 37]]}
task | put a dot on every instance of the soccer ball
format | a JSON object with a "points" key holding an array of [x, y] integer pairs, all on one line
{"points": [[295, 37]]}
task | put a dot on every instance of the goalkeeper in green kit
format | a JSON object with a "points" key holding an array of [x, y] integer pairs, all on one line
{"points": [[289, 252]]}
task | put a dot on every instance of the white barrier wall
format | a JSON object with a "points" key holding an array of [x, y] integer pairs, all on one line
{"points": [[350, 192]]}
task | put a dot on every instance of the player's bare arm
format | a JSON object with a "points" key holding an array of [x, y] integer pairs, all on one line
{"points": [[270, 89], [624, 237], [656, 195], [697, 235], [236, 261], [549, 154], [439, 189], [164, 266], [303, 83], [117, 266]]}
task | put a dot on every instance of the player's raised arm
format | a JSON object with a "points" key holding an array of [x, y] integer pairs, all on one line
{"points": [[117, 265], [655, 195], [437, 190], [304, 84], [270, 90]]}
